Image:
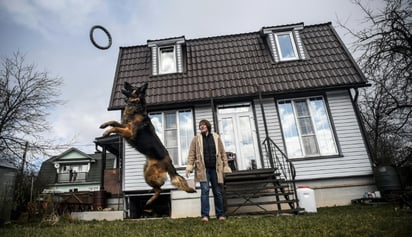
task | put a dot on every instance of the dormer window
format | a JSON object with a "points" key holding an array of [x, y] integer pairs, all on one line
{"points": [[286, 46], [285, 43], [167, 60], [167, 55]]}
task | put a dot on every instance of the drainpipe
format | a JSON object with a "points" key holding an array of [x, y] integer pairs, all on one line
{"points": [[266, 127], [103, 168], [212, 103], [361, 125]]}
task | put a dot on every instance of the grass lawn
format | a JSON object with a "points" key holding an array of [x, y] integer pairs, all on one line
{"points": [[356, 220]]}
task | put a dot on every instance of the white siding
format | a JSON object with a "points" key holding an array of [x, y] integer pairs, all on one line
{"points": [[134, 161], [272, 122], [179, 59], [299, 44], [154, 60], [133, 170], [355, 160], [203, 112]]}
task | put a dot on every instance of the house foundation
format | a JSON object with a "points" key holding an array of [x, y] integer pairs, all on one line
{"points": [[339, 191]]}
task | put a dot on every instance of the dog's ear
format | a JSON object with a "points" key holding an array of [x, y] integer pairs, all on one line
{"points": [[127, 91], [142, 89], [127, 86]]}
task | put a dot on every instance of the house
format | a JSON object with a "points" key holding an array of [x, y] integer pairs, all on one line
{"points": [[285, 91], [85, 180], [8, 174]]}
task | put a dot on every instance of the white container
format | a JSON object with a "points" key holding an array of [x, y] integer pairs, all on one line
{"points": [[307, 200]]}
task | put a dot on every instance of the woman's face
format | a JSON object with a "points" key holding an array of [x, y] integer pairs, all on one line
{"points": [[203, 128]]}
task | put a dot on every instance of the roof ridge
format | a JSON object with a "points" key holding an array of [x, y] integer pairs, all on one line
{"points": [[227, 35]]}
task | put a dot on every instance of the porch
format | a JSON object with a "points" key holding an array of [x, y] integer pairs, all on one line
{"points": [[259, 191]]}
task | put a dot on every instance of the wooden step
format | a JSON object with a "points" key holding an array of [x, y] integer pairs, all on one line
{"points": [[263, 188]]}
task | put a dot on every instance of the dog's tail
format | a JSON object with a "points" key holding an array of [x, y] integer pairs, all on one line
{"points": [[178, 180]]}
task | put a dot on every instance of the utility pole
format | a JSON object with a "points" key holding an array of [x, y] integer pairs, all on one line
{"points": [[26, 146]]}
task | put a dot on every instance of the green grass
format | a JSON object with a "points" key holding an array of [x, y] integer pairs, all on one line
{"points": [[356, 220]]}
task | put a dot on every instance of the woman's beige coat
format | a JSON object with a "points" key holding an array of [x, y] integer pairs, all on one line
{"points": [[196, 159]]}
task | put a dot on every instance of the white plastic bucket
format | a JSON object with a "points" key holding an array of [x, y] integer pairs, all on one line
{"points": [[306, 197]]}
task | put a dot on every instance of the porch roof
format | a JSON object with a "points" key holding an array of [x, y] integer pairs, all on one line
{"points": [[233, 66]]}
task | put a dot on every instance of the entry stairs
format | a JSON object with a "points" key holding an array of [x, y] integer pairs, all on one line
{"points": [[263, 191]]}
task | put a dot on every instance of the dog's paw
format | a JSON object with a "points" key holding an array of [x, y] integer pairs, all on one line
{"points": [[191, 190], [104, 125], [105, 134]]}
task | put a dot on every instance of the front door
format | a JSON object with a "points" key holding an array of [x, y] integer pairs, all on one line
{"points": [[238, 133]]}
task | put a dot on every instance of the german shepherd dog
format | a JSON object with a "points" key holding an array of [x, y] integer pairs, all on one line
{"points": [[139, 132]]}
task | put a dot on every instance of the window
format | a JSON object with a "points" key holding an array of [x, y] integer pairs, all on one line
{"points": [[167, 55], [175, 130], [306, 128], [285, 43], [167, 60], [286, 46]]}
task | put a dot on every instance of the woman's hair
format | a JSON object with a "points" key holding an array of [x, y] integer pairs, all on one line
{"points": [[207, 123]]}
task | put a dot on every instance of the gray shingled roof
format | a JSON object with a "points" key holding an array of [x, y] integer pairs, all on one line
{"points": [[231, 66], [48, 174]]}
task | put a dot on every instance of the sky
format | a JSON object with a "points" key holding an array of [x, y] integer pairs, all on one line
{"points": [[54, 35]]}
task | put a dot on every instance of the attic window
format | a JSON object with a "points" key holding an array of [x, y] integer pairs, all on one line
{"points": [[285, 43], [286, 46], [167, 56], [167, 60]]}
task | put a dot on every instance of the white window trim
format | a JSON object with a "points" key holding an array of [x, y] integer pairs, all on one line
{"points": [[159, 62], [304, 155], [297, 43], [156, 47], [301, 136], [292, 39], [179, 149]]}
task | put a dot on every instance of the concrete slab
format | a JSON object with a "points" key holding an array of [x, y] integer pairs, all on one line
{"points": [[188, 204], [98, 215]]}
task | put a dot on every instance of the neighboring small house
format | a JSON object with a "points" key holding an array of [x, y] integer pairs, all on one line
{"points": [[74, 171], [286, 91], [8, 174]]}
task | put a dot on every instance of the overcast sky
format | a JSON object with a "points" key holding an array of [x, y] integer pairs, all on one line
{"points": [[54, 35]]}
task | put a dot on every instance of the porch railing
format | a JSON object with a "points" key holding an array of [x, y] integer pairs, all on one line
{"points": [[79, 177], [280, 162]]}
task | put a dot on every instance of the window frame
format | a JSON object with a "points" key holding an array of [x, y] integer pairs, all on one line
{"points": [[160, 53], [292, 42], [181, 160], [316, 130]]}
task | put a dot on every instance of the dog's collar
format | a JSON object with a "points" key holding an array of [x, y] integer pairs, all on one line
{"points": [[140, 109], [130, 103]]}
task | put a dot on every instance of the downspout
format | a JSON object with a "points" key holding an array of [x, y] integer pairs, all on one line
{"points": [[103, 167], [361, 125], [212, 103], [119, 166], [266, 127]]}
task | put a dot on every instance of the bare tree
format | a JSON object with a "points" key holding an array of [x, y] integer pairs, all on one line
{"points": [[386, 60], [26, 97]]}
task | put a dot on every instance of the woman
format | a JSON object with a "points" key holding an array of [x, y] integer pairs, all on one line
{"points": [[207, 157]]}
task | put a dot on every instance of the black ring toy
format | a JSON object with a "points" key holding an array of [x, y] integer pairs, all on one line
{"points": [[106, 32]]}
